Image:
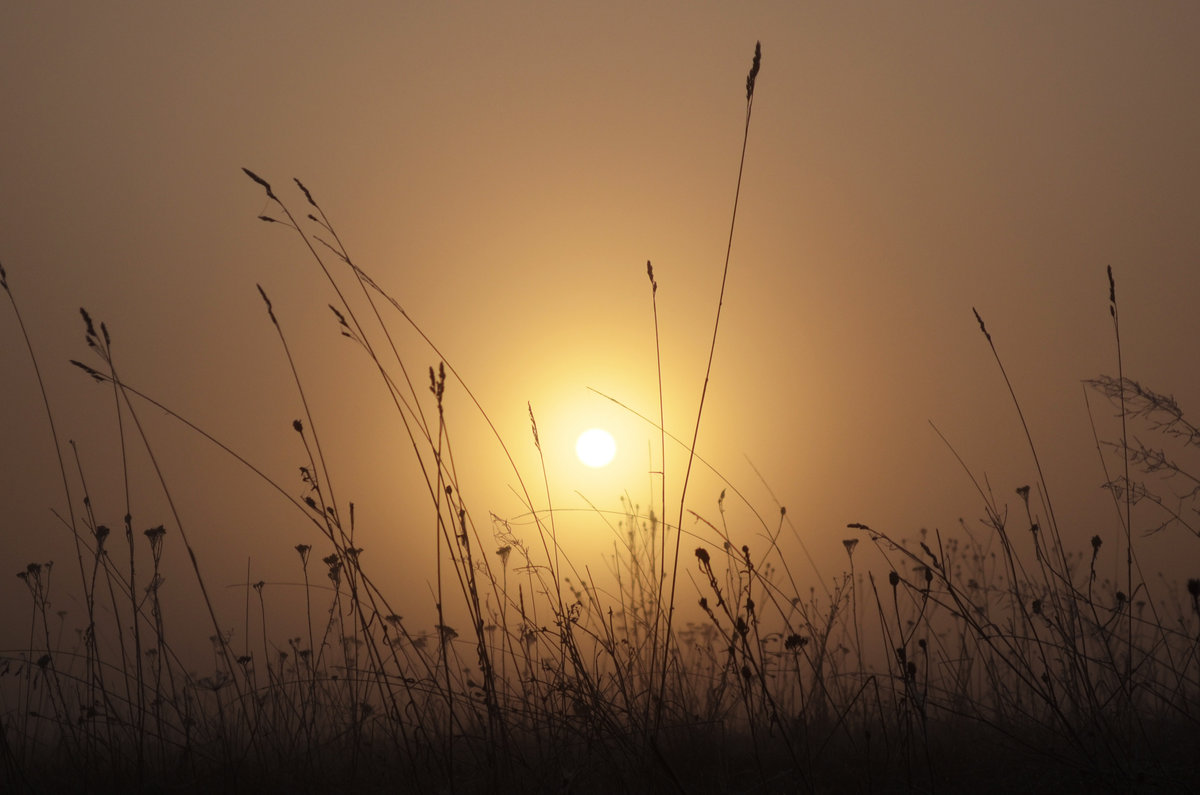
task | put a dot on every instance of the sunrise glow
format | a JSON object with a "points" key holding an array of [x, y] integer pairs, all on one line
{"points": [[629, 397]]}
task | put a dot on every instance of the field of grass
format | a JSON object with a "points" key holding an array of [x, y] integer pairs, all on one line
{"points": [[992, 659]]}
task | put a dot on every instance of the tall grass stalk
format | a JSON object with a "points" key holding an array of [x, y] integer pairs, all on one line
{"points": [[751, 79]]}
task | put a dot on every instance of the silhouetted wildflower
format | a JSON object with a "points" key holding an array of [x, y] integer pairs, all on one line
{"points": [[794, 642]]}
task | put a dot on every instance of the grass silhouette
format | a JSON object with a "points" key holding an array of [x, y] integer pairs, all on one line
{"points": [[986, 660]]}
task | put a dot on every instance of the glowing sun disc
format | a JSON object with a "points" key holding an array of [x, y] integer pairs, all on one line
{"points": [[596, 447]]}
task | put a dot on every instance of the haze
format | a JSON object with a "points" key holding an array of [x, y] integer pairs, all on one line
{"points": [[505, 171]]}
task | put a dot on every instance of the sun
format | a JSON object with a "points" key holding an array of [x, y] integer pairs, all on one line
{"points": [[596, 447]]}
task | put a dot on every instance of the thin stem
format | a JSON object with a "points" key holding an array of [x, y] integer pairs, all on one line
{"points": [[712, 348]]}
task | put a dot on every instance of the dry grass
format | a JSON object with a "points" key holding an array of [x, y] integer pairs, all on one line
{"points": [[965, 661]]}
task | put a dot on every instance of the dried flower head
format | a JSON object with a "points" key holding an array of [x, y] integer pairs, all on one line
{"points": [[794, 642], [155, 536]]}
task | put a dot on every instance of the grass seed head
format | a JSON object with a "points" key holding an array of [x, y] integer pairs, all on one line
{"points": [[982, 327], [266, 185], [754, 66], [304, 190]]}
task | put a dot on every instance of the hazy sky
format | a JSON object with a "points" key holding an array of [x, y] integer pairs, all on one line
{"points": [[506, 169]]}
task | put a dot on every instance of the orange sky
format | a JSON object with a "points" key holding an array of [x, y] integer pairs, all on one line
{"points": [[506, 170]]}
